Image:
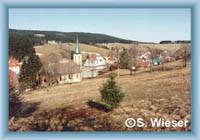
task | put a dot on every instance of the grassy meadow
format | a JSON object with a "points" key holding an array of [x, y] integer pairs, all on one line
{"points": [[161, 93]]}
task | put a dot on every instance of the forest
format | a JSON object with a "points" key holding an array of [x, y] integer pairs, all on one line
{"points": [[87, 38]]}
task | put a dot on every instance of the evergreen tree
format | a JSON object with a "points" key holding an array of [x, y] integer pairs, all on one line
{"points": [[111, 93], [20, 46], [29, 71]]}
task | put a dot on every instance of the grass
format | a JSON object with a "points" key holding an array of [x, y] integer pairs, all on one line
{"points": [[67, 47], [163, 94], [142, 86], [168, 47]]}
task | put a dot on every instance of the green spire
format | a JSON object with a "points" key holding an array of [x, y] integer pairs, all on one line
{"points": [[77, 49]]}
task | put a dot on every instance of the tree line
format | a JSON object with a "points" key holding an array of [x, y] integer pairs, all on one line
{"points": [[174, 42], [87, 38]]}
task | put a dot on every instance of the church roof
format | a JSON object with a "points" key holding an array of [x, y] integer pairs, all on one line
{"points": [[63, 67]]}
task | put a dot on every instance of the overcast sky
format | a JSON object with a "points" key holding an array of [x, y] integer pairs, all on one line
{"points": [[152, 25]]}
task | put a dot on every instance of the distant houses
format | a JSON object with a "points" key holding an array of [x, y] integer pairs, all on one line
{"points": [[14, 65], [51, 42], [60, 70], [13, 80], [56, 70]]}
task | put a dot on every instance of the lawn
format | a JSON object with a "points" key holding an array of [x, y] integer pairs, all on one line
{"points": [[164, 94]]}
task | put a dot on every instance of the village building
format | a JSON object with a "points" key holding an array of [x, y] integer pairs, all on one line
{"points": [[14, 65], [63, 71], [39, 35], [94, 64], [169, 59], [158, 60], [95, 61], [13, 80], [167, 56], [51, 42], [142, 63]]}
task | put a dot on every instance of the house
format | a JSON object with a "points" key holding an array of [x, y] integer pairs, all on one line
{"points": [[51, 42], [94, 64], [169, 59], [13, 80], [39, 35], [14, 65], [145, 55], [158, 60], [167, 56], [112, 57], [143, 60], [142, 63], [95, 61]]}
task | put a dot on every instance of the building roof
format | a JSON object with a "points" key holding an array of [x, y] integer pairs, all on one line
{"points": [[12, 79], [14, 62], [95, 61], [63, 67]]}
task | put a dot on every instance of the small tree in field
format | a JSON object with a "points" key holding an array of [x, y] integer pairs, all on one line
{"points": [[111, 93]]}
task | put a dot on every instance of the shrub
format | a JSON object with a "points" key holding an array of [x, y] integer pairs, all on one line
{"points": [[111, 93]]}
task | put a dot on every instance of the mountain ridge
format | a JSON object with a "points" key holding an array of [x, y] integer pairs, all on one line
{"points": [[84, 37]]}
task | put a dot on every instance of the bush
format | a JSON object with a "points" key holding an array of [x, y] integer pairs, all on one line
{"points": [[111, 93]]}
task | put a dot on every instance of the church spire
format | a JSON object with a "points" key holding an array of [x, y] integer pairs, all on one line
{"points": [[77, 49], [77, 57]]}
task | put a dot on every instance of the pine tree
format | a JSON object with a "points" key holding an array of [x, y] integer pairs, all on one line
{"points": [[29, 71], [111, 93]]}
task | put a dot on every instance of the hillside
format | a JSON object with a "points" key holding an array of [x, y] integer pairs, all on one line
{"points": [[88, 38], [64, 107], [65, 50], [144, 46]]}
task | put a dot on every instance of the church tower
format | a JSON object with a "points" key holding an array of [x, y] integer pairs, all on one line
{"points": [[77, 57]]}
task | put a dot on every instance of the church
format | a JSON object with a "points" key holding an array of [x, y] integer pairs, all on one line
{"points": [[64, 71], [71, 68]]}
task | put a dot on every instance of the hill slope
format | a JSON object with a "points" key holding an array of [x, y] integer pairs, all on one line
{"points": [[145, 98], [88, 38]]}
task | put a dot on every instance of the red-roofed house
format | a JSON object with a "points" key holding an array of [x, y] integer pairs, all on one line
{"points": [[13, 81], [14, 65], [143, 63]]}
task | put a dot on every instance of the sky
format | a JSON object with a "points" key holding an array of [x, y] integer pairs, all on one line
{"points": [[149, 25]]}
